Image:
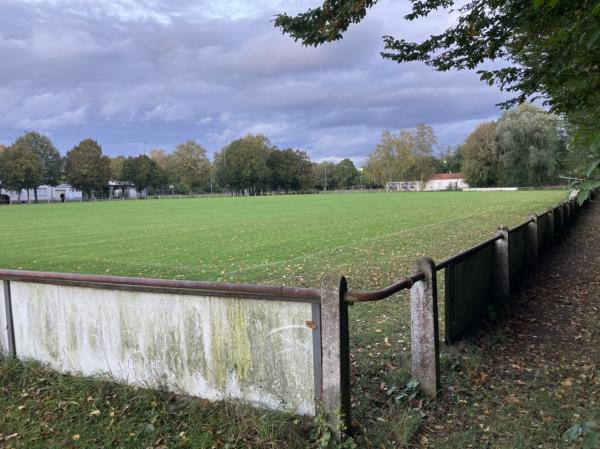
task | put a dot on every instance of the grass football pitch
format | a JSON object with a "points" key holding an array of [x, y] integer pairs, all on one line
{"points": [[293, 240]]}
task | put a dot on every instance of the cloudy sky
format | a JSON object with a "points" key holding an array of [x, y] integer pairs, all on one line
{"points": [[137, 74]]}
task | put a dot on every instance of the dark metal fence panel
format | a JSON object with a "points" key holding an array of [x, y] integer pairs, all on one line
{"points": [[517, 259], [574, 207], [542, 229], [558, 220], [469, 291]]}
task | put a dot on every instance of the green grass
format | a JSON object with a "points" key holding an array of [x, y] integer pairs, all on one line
{"points": [[294, 240], [371, 238], [52, 410]]}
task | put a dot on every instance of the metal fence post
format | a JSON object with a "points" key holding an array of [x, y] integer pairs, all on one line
{"points": [[335, 353], [10, 328], [567, 213], [532, 240], [560, 226], [549, 231], [424, 331], [502, 266]]}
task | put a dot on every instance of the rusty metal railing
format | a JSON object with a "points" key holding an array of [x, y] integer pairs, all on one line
{"points": [[386, 292], [278, 292]]}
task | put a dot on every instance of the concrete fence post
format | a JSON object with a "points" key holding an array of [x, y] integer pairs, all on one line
{"points": [[549, 231], [532, 240], [424, 331], [502, 266], [10, 328], [335, 353]]}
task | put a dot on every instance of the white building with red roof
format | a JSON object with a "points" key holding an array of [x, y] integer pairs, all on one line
{"points": [[446, 181]]}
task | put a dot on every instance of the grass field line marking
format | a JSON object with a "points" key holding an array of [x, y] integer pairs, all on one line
{"points": [[347, 245]]}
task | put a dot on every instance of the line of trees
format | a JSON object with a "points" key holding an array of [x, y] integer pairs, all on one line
{"points": [[247, 166], [527, 146]]}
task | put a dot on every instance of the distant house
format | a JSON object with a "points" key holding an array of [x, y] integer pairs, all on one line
{"points": [[44, 193], [446, 181], [113, 190], [122, 190]]}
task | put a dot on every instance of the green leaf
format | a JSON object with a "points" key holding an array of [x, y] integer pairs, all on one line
{"points": [[593, 39], [573, 433], [412, 384], [592, 168], [583, 196], [596, 142], [591, 441]]}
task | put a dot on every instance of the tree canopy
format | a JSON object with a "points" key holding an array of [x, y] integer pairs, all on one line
{"points": [[551, 47], [20, 168], [142, 172], [242, 165], [407, 156], [86, 169], [51, 161], [524, 147], [481, 163], [529, 145], [189, 166]]}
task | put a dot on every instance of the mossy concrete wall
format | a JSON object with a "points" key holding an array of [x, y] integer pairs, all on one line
{"points": [[259, 351], [3, 324]]}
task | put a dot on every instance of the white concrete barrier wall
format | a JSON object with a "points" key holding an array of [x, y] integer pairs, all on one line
{"points": [[3, 323], [259, 351]]}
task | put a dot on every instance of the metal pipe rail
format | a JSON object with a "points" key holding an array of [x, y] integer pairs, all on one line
{"points": [[386, 292], [167, 285], [522, 225]]}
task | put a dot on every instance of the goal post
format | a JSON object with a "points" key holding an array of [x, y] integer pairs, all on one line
{"points": [[402, 186]]}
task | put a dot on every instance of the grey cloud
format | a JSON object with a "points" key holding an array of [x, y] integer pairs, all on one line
{"points": [[134, 71]]}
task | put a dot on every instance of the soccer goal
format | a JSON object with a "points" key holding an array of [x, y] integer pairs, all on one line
{"points": [[402, 186]]}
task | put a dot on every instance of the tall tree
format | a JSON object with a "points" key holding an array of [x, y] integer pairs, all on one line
{"points": [[423, 141], [451, 160], [161, 158], [20, 168], [116, 168], [142, 172], [86, 169], [189, 167], [288, 169], [323, 178], [481, 162], [345, 174], [306, 170], [50, 159], [530, 146], [242, 165], [392, 159], [2, 150]]}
